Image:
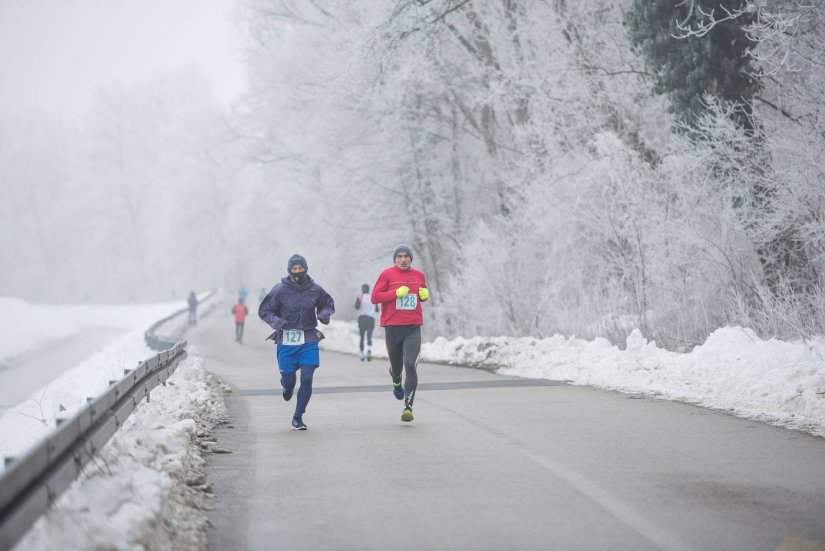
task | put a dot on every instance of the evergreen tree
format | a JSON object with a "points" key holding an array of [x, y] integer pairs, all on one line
{"points": [[686, 68]]}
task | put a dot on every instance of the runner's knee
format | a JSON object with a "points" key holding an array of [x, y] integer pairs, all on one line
{"points": [[306, 376], [288, 380]]}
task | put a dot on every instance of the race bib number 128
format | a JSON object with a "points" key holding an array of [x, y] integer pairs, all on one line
{"points": [[407, 302], [293, 337]]}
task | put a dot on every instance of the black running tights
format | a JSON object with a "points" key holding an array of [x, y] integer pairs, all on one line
{"points": [[403, 347]]}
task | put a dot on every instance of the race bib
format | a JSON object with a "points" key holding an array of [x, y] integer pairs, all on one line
{"points": [[293, 337], [407, 302]]}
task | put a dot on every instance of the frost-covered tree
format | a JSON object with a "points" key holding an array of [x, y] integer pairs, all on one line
{"points": [[518, 148], [37, 163], [789, 37], [139, 201]]}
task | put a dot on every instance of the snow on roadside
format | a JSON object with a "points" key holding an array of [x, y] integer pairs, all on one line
{"points": [[342, 336], [25, 327], [146, 489], [769, 380], [24, 424]]}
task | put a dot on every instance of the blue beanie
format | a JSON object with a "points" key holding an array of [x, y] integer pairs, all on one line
{"points": [[402, 249], [296, 259]]}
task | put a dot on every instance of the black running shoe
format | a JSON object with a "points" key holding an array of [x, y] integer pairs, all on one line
{"points": [[287, 394], [298, 424]]}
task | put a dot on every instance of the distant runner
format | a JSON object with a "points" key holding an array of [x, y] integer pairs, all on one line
{"points": [[366, 321], [293, 308], [192, 300], [240, 311], [400, 290]]}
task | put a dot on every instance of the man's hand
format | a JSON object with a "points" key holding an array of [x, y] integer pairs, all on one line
{"points": [[324, 319], [402, 291], [423, 293]]}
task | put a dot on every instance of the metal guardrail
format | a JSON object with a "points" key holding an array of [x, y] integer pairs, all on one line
{"points": [[31, 483]]}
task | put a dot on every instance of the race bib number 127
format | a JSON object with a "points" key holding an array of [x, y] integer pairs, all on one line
{"points": [[293, 337]]}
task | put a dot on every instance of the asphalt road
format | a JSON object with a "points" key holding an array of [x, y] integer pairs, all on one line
{"points": [[493, 462]]}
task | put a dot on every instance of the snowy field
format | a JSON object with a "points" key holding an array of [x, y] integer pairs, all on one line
{"points": [[146, 490], [27, 327]]}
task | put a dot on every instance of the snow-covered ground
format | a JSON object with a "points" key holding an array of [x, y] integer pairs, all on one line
{"points": [[146, 487], [146, 490], [773, 381], [25, 423], [25, 327]]}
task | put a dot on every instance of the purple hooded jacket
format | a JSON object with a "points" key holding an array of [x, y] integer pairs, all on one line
{"points": [[289, 307]]}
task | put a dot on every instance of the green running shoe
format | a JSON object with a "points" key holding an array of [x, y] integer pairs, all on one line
{"points": [[407, 415]]}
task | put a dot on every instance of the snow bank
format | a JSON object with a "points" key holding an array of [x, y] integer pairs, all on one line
{"points": [[146, 489], [769, 380], [342, 336], [26, 423]]}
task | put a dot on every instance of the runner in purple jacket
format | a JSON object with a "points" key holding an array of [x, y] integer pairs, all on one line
{"points": [[293, 309]]}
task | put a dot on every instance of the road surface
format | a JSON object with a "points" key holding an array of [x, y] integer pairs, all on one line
{"points": [[493, 462]]}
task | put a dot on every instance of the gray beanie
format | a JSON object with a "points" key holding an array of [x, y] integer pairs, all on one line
{"points": [[296, 259], [402, 249]]}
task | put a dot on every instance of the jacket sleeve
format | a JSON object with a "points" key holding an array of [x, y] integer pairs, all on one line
{"points": [[326, 306], [270, 308], [381, 292]]}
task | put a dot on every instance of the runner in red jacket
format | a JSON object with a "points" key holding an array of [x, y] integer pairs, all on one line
{"points": [[400, 290], [240, 311]]}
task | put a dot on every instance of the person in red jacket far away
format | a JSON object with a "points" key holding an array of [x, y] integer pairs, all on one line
{"points": [[400, 290], [240, 311]]}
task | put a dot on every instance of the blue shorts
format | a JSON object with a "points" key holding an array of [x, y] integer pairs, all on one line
{"points": [[290, 357]]}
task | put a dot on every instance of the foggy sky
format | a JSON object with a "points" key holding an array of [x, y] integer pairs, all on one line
{"points": [[55, 54]]}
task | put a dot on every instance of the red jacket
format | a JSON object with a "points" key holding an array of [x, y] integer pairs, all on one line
{"points": [[383, 293], [240, 311]]}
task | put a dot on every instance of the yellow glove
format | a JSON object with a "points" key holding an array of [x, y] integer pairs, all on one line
{"points": [[402, 291], [423, 293]]}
